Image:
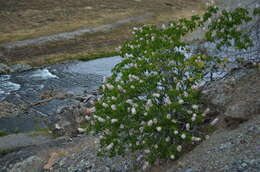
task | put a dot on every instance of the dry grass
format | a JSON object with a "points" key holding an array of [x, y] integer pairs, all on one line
{"points": [[27, 19], [85, 47], [22, 32], [21, 20]]}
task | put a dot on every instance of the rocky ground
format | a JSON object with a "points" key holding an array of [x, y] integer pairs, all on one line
{"points": [[234, 146]]}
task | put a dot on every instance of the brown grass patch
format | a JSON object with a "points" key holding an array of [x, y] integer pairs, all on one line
{"points": [[21, 20]]}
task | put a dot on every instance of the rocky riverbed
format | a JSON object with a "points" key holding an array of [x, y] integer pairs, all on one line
{"points": [[31, 99]]}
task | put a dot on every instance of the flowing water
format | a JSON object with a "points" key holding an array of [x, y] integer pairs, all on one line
{"points": [[6, 87], [100, 66], [71, 76], [26, 88]]}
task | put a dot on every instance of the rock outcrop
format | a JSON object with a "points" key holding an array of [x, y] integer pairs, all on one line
{"points": [[236, 96]]}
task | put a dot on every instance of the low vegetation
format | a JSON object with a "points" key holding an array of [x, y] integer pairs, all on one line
{"points": [[3, 133], [42, 132]]}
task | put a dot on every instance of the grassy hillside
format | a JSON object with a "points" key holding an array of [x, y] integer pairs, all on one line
{"points": [[22, 20]]}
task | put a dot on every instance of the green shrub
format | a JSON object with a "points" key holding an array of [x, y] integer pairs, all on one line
{"points": [[151, 102], [3, 133]]}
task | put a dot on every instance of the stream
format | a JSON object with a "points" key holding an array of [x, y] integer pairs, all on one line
{"points": [[64, 73], [23, 90]]}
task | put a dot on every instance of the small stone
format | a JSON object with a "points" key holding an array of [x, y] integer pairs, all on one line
{"points": [[88, 8], [90, 110], [57, 126], [207, 137], [244, 164], [107, 169], [214, 122], [189, 170], [81, 130]]}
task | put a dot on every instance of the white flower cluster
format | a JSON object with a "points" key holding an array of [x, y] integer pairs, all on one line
{"points": [[151, 99]]}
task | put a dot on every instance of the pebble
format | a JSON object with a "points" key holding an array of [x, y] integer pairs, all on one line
{"points": [[189, 170], [57, 126], [81, 130], [244, 164]]}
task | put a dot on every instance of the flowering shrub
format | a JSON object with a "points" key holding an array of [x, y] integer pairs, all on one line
{"points": [[151, 101]]}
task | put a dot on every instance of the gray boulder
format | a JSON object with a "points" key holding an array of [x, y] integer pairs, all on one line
{"points": [[4, 69], [237, 95], [20, 67]]}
